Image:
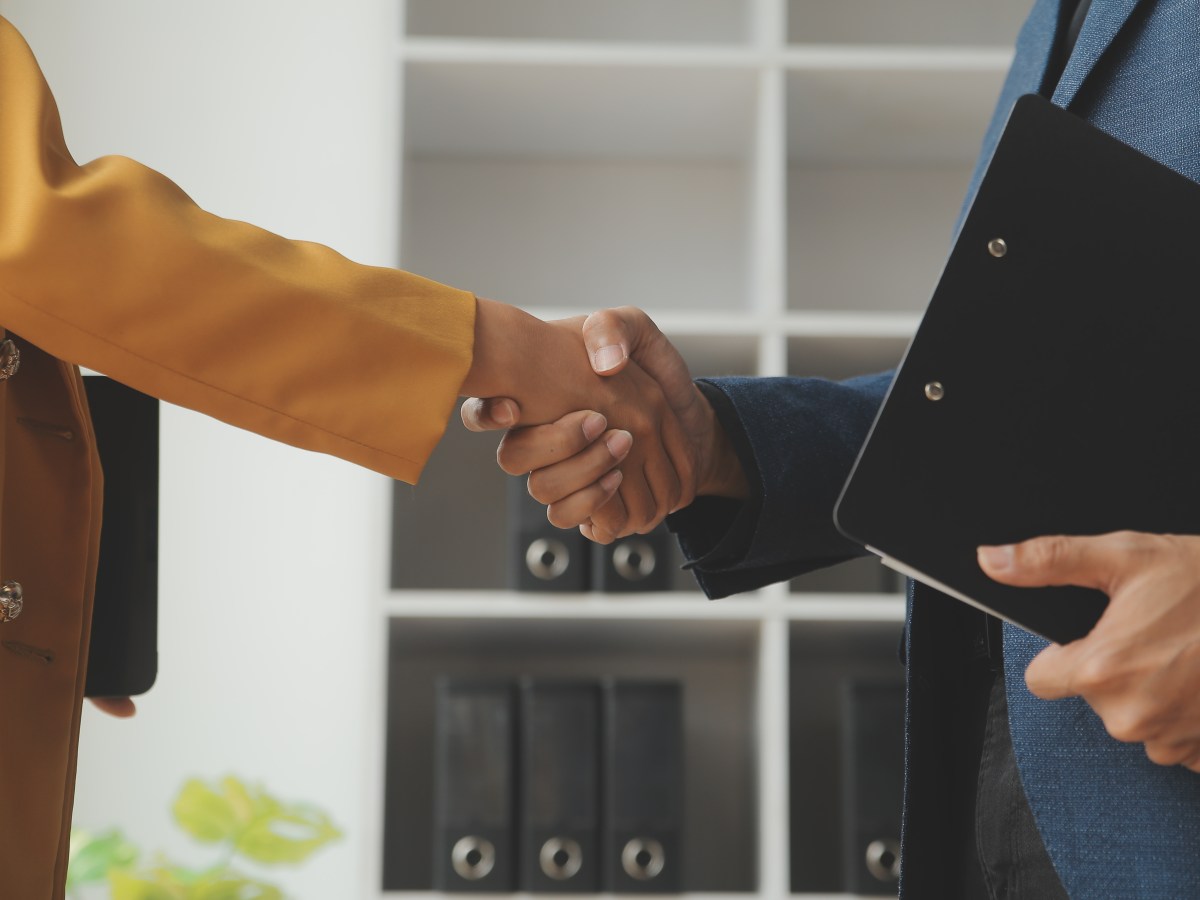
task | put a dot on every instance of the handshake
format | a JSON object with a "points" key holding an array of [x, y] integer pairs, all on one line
{"points": [[612, 430]]}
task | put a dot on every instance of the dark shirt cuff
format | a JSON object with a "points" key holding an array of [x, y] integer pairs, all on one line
{"points": [[717, 532]]}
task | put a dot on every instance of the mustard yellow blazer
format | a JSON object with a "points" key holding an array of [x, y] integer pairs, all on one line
{"points": [[109, 265]]}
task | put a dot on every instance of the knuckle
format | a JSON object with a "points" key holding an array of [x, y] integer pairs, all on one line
{"points": [[508, 461], [1098, 671], [1165, 754], [539, 489], [1046, 553], [558, 517], [1127, 725]]}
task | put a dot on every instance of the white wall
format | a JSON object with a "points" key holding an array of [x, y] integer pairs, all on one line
{"points": [[273, 111]]}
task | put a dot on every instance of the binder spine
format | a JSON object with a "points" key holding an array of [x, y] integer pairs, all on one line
{"points": [[474, 787], [873, 784], [542, 557], [635, 563], [560, 791], [643, 787]]}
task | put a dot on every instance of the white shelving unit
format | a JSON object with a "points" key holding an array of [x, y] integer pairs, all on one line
{"points": [[776, 182]]}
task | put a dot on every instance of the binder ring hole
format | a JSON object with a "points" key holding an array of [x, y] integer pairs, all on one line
{"points": [[561, 858], [883, 860], [547, 558], [473, 858], [634, 560], [643, 859]]}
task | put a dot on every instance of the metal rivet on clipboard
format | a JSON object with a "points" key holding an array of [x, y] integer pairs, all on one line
{"points": [[935, 391], [997, 247]]}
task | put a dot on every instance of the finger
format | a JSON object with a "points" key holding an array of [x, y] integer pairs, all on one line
{"points": [[1051, 674], [1172, 754], [1194, 762], [491, 414], [574, 509], [608, 522], [119, 707], [1096, 562], [553, 483], [526, 449]]}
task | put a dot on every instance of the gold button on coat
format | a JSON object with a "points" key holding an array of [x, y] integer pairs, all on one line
{"points": [[10, 360], [12, 601]]}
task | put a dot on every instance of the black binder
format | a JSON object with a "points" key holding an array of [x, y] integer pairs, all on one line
{"points": [[1049, 388], [542, 557], [639, 562], [643, 809], [872, 784], [560, 787], [474, 786]]}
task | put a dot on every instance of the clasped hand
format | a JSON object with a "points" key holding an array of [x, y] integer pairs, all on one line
{"points": [[641, 443]]}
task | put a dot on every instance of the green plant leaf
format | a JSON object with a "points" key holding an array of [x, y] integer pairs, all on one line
{"points": [[287, 834], [159, 885], [206, 815], [93, 856], [174, 883], [260, 826]]}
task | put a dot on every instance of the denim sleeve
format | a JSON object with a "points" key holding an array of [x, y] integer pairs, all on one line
{"points": [[797, 439]]}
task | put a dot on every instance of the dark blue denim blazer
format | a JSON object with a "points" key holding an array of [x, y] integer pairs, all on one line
{"points": [[1115, 824]]}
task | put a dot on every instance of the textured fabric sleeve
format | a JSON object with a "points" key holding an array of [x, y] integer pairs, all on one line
{"points": [[797, 439], [111, 266]]}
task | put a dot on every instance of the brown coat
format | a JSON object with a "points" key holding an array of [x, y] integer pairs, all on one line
{"points": [[109, 265]]}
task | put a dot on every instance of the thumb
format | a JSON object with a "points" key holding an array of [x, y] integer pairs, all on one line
{"points": [[607, 335], [613, 337], [492, 414], [1093, 562]]}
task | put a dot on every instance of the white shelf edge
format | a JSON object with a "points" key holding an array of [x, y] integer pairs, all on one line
{"points": [[795, 57], [577, 53], [437, 895], [845, 608], [749, 895], [745, 323], [837, 57], [447, 604], [563, 607]]}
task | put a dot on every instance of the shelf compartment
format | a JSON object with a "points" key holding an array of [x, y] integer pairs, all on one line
{"points": [[847, 357], [822, 656], [535, 111], [925, 23], [878, 166], [700, 21], [889, 116], [716, 663], [569, 187], [865, 575]]}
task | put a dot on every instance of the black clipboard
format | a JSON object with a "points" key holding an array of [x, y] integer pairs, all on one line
{"points": [[1053, 386]]}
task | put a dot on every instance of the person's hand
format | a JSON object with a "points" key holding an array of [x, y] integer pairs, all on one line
{"points": [[1139, 668], [564, 477], [541, 372], [118, 707]]}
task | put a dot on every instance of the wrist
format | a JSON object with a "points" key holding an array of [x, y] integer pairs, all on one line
{"points": [[722, 474], [500, 335]]}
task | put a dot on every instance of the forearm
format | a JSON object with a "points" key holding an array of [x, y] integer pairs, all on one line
{"points": [[111, 266]]}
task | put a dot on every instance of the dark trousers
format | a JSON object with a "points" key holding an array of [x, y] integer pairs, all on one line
{"points": [[1006, 859]]}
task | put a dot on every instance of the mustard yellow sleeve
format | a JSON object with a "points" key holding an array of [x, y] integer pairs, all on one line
{"points": [[111, 266]]}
